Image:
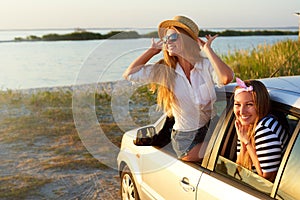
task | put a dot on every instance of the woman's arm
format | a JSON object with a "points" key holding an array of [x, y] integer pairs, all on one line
{"points": [[267, 175], [223, 71], [252, 153], [246, 145], [240, 156], [139, 62]]}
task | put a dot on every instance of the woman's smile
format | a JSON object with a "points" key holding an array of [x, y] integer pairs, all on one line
{"points": [[244, 108]]}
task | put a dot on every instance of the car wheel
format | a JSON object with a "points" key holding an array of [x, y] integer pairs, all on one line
{"points": [[128, 187]]}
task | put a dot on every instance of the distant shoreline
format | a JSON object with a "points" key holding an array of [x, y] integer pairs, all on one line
{"points": [[82, 34], [149, 28]]}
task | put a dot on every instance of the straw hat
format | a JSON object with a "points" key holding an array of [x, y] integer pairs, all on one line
{"points": [[182, 22]]}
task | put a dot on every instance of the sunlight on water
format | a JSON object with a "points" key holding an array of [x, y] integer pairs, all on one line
{"points": [[47, 64]]}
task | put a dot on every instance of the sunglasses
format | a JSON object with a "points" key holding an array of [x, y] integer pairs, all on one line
{"points": [[170, 38]]}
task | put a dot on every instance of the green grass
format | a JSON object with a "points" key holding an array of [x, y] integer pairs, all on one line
{"points": [[264, 60]]}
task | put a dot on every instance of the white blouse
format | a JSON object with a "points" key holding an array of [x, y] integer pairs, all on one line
{"points": [[194, 106]]}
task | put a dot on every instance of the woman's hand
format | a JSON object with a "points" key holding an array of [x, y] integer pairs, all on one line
{"points": [[140, 61], [156, 46], [224, 72], [242, 132], [204, 45]]}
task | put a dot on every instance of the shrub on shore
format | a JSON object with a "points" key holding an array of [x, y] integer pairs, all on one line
{"points": [[86, 35], [280, 59]]}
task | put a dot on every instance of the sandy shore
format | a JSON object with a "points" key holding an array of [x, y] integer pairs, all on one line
{"points": [[26, 155], [102, 87]]}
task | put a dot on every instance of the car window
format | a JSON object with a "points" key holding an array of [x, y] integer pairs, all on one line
{"points": [[226, 158], [164, 127], [292, 122], [289, 184], [227, 166]]}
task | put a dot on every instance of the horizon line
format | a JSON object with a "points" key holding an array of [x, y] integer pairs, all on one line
{"points": [[136, 28]]}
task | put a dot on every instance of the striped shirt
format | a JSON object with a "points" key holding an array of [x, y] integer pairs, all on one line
{"points": [[270, 141]]}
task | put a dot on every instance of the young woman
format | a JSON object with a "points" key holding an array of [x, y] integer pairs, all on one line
{"points": [[184, 81], [261, 138]]}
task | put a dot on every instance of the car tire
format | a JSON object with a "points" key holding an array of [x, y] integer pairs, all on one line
{"points": [[128, 187]]}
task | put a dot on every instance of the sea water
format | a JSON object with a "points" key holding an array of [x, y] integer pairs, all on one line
{"points": [[62, 63]]}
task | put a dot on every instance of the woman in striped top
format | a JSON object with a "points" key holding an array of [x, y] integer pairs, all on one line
{"points": [[261, 138]]}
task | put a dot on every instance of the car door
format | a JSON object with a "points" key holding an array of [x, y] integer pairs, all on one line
{"points": [[226, 179], [289, 183], [166, 177], [211, 185]]}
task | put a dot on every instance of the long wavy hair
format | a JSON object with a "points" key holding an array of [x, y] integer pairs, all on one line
{"points": [[261, 100], [163, 73]]}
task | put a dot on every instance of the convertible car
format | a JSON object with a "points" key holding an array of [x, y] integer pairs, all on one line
{"points": [[149, 168]]}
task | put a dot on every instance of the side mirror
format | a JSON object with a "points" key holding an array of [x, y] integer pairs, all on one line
{"points": [[145, 136]]}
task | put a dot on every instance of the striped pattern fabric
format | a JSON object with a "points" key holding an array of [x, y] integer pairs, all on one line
{"points": [[270, 140]]}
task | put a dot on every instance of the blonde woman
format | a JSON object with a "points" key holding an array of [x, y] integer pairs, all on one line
{"points": [[261, 138], [184, 81]]}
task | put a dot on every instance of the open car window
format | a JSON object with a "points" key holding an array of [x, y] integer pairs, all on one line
{"points": [[227, 166], [159, 133], [226, 158]]}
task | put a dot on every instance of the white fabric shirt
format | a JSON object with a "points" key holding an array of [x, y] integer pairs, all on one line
{"points": [[194, 105]]}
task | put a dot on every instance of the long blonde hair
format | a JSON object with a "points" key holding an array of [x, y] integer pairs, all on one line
{"points": [[261, 100], [163, 73]]}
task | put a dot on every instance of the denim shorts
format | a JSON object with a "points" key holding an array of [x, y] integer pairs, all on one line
{"points": [[184, 141]]}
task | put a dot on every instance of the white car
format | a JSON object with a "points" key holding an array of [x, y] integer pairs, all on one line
{"points": [[149, 168]]}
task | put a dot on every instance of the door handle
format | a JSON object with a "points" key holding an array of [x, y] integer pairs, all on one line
{"points": [[185, 184]]}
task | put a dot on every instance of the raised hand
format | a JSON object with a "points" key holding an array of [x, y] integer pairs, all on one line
{"points": [[156, 45], [206, 44], [241, 131]]}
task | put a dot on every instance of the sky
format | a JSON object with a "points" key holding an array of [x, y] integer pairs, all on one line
{"points": [[48, 14]]}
